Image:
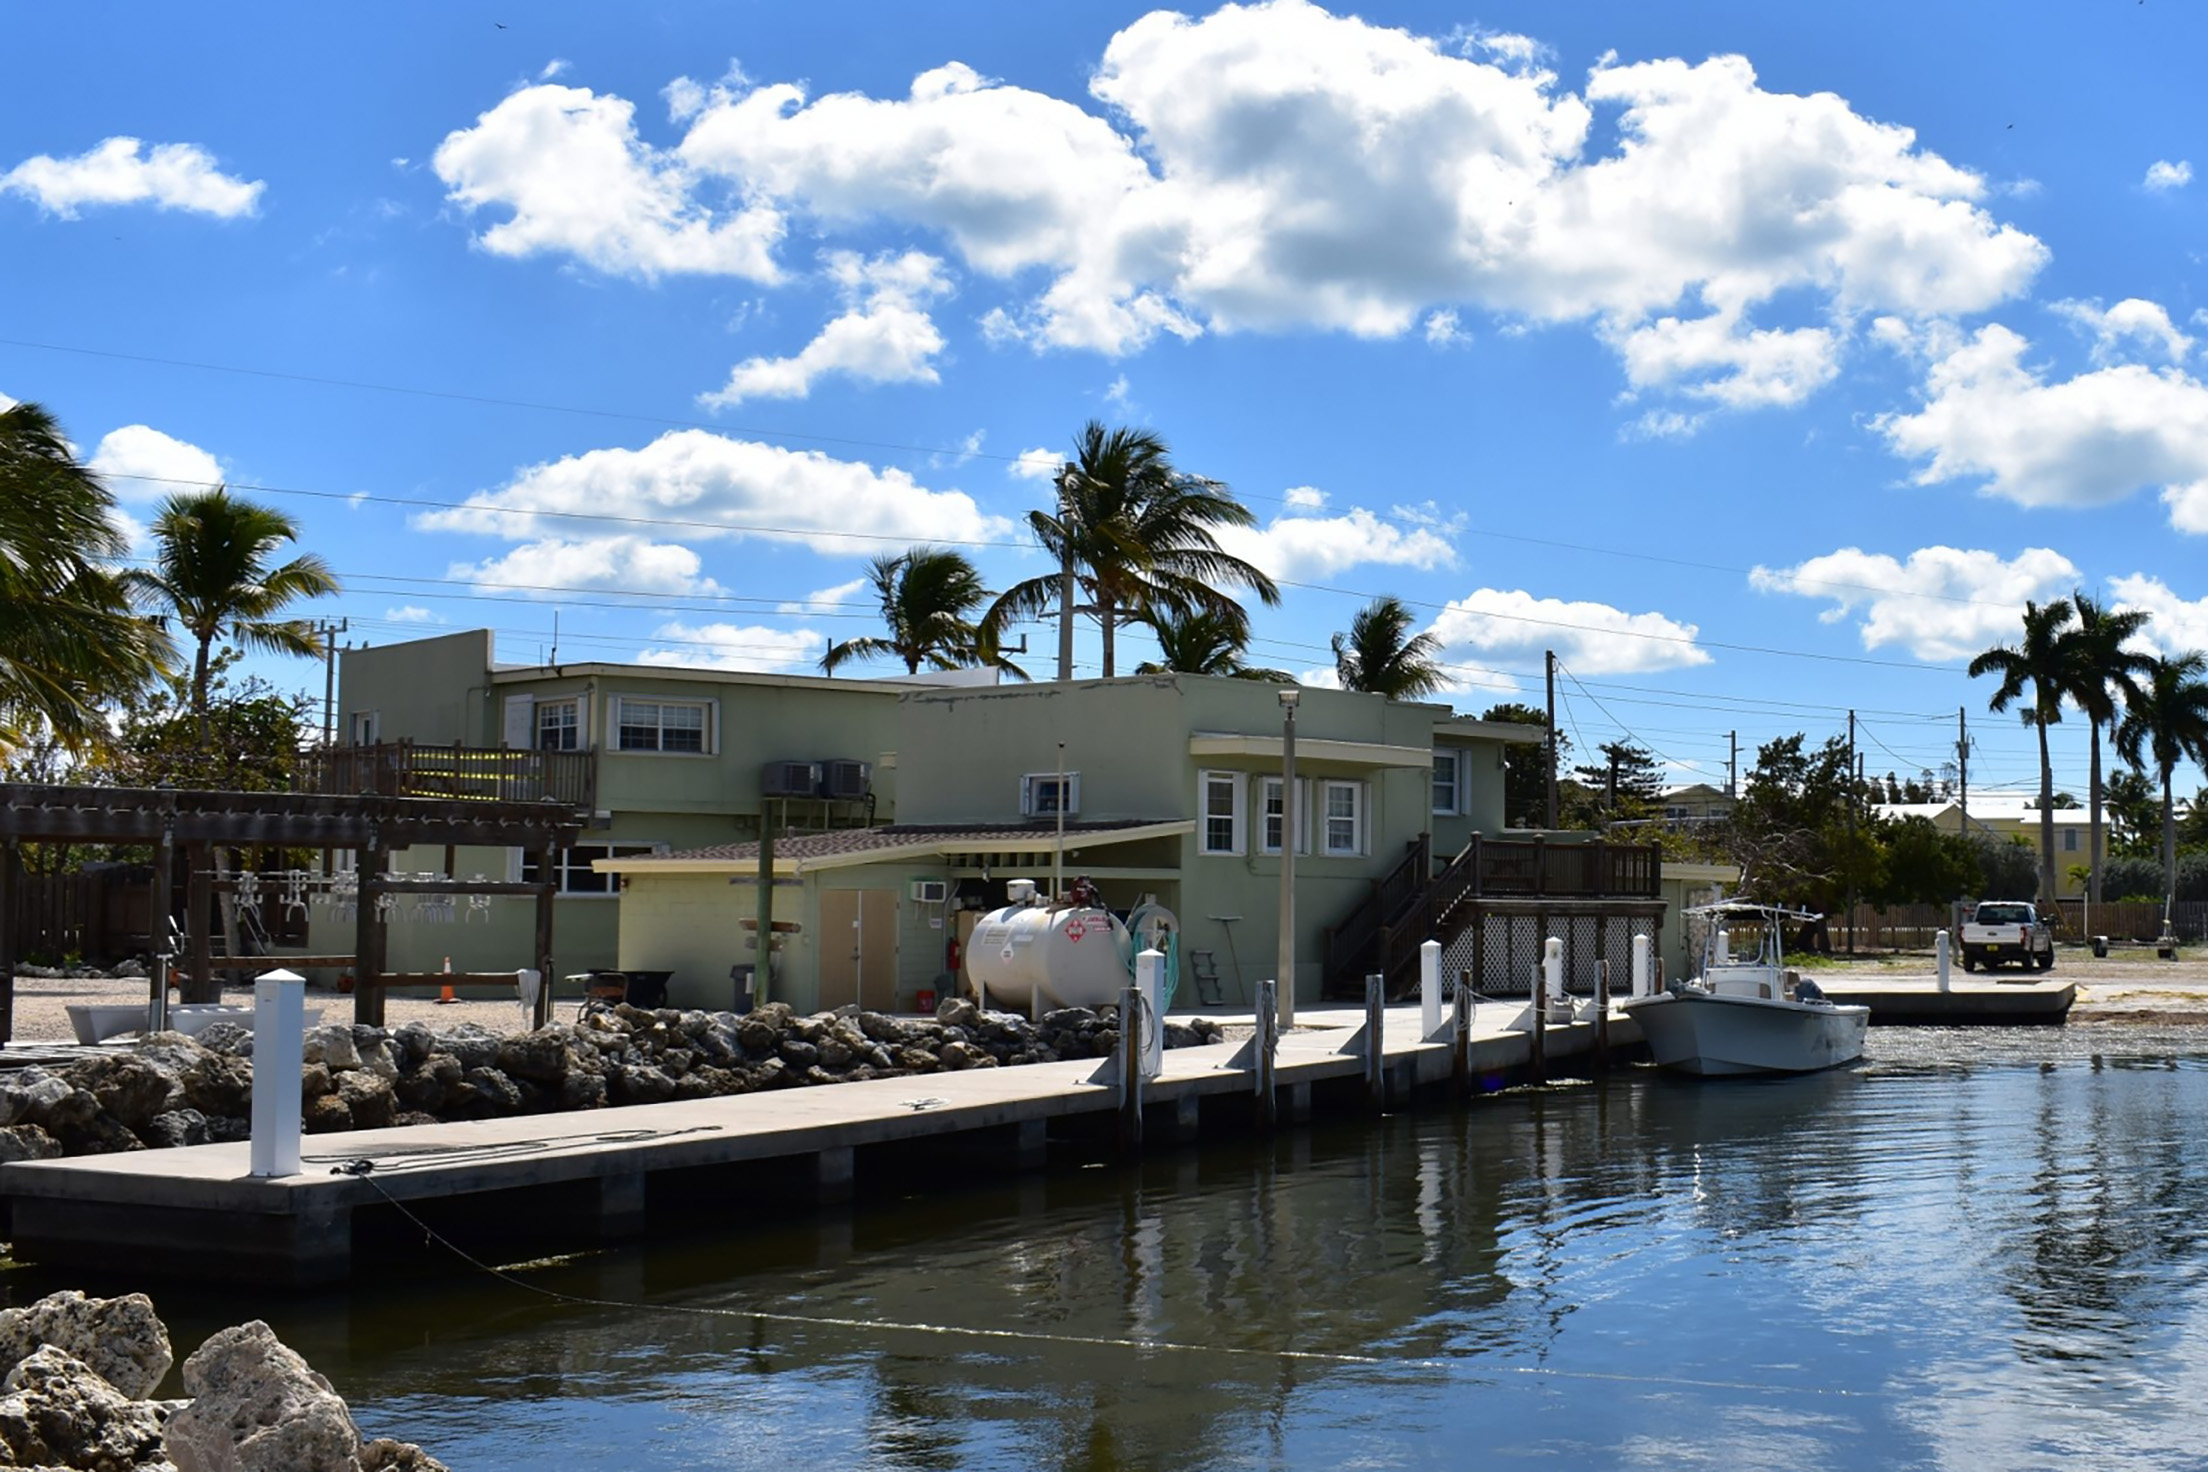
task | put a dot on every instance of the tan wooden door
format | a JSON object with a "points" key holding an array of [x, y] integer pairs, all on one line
{"points": [[858, 948]]}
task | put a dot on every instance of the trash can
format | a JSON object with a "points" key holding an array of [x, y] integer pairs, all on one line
{"points": [[2100, 946], [924, 1001]]}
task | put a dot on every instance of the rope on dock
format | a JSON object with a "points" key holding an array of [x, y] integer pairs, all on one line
{"points": [[404, 1157]]}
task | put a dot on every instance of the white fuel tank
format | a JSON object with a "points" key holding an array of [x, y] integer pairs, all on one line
{"points": [[1075, 956]]}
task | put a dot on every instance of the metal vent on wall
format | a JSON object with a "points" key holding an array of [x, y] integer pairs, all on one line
{"points": [[790, 779], [843, 778]]}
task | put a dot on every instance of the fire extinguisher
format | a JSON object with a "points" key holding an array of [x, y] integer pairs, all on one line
{"points": [[951, 953]]}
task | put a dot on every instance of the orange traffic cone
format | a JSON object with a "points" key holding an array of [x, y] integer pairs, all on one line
{"points": [[445, 996]]}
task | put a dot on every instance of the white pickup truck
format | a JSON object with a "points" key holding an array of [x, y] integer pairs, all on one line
{"points": [[2007, 930]]}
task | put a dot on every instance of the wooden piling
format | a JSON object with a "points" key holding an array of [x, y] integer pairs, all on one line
{"points": [[1267, 1044], [1460, 1046], [1130, 1071], [1602, 1014], [1538, 1059]]}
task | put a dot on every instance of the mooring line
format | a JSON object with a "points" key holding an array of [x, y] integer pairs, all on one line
{"points": [[363, 1169]]}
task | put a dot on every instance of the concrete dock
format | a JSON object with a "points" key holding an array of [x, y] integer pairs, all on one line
{"points": [[586, 1176], [1917, 1001]]}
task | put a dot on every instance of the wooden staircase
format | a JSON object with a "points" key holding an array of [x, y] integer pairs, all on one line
{"points": [[1411, 904]]}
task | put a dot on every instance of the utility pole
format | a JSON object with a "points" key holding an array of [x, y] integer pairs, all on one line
{"points": [[1732, 767], [1962, 767], [1065, 575], [1551, 667], [329, 631], [1855, 794]]}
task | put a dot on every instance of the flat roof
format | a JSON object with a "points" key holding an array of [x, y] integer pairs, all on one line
{"points": [[850, 847]]}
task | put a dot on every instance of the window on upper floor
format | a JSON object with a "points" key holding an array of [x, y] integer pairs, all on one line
{"points": [[1047, 794], [2069, 840], [1342, 812], [1220, 797], [1449, 779], [681, 727], [559, 725], [1269, 805]]}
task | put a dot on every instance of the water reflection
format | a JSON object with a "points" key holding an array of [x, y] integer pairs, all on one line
{"points": [[1954, 1257]]}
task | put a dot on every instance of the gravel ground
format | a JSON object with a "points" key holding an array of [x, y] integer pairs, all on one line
{"points": [[41, 1004]]}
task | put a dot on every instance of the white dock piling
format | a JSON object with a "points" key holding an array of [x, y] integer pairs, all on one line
{"points": [[1940, 957], [1150, 983], [1429, 988], [1644, 974], [1552, 977], [279, 1049]]}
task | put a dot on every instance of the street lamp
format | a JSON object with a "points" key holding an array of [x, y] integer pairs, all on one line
{"points": [[1287, 963]]}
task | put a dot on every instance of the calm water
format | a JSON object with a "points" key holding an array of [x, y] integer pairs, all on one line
{"points": [[1985, 1249]]}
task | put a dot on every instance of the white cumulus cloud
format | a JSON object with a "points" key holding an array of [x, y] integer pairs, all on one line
{"points": [[1274, 166], [567, 167], [1590, 638], [170, 176], [883, 336], [1302, 546], [412, 613], [827, 600], [718, 487], [551, 566], [2165, 175], [2129, 328], [1036, 465], [1942, 603], [140, 463], [721, 646], [2177, 624], [2085, 441]]}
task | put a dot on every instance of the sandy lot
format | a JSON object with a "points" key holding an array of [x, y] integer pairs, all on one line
{"points": [[41, 1004]]}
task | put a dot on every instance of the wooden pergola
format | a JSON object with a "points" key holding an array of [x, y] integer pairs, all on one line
{"points": [[170, 820]]}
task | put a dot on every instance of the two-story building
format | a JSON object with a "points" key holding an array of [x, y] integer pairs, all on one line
{"points": [[1170, 790], [656, 759]]}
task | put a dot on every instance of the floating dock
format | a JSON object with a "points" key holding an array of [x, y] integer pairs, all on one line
{"points": [[586, 1176], [1918, 1001]]}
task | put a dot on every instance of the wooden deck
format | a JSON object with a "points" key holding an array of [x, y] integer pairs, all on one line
{"points": [[197, 1210]]}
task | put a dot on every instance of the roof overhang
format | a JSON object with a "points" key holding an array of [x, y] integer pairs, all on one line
{"points": [[1345, 753], [922, 846], [1512, 733]]}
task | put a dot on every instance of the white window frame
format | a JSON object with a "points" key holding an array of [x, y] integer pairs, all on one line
{"points": [[1361, 800], [365, 726], [1267, 788], [1237, 816], [1455, 757], [603, 848], [709, 724], [573, 704], [1034, 786]]}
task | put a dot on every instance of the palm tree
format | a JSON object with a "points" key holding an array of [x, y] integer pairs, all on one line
{"points": [[213, 575], [2042, 661], [68, 636], [2104, 671], [2167, 718], [928, 596], [1204, 643], [1140, 536], [1380, 656]]}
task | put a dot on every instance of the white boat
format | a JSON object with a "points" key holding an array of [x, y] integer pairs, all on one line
{"points": [[1745, 1013]]}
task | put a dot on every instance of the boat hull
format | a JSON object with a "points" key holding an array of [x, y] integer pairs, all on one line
{"points": [[1723, 1036]]}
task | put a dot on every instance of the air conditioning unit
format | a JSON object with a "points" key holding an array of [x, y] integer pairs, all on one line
{"points": [[846, 779], [931, 891], [789, 779]]}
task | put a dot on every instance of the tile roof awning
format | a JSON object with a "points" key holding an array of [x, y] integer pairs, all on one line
{"points": [[848, 848]]}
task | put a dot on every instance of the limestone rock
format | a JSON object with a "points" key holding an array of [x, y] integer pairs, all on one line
{"points": [[27, 1142], [639, 1083], [58, 1411], [332, 1046], [121, 1339], [368, 1097], [315, 1081], [325, 1114], [583, 1091], [231, 1039], [474, 1046], [258, 1407], [543, 1056], [429, 1087], [490, 1094], [411, 1044], [127, 1086], [219, 1087], [177, 1127], [30, 1096], [385, 1455]]}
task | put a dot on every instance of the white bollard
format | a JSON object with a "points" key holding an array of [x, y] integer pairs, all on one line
{"points": [[527, 983], [1723, 954], [1644, 975], [1552, 973], [1150, 982], [279, 1048], [1429, 989], [1940, 958]]}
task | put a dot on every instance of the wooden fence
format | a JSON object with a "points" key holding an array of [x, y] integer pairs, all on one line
{"points": [[468, 773], [100, 916]]}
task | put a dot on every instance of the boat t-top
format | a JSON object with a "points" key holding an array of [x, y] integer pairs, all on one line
{"points": [[1744, 1012]]}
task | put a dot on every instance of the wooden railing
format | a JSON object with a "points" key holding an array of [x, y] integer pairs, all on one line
{"points": [[1384, 932], [468, 773]]}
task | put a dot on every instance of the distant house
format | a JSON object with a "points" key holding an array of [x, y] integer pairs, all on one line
{"points": [[1170, 789], [2009, 816], [1696, 802]]}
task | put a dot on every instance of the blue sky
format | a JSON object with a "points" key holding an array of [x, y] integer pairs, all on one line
{"points": [[1760, 360]]}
